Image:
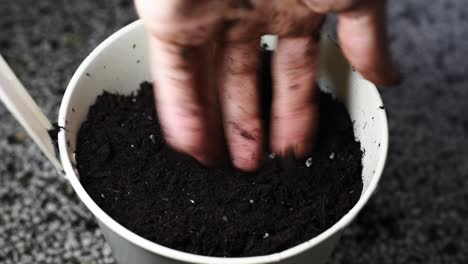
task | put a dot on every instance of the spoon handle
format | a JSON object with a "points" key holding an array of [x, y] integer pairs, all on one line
{"points": [[25, 110]]}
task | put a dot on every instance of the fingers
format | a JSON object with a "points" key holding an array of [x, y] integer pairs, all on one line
{"points": [[294, 110], [186, 99], [240, 100], [363, 39]]}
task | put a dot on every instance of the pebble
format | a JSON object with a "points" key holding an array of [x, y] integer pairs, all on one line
{"points": [[308, 162], [106, 251], [20, 136]]}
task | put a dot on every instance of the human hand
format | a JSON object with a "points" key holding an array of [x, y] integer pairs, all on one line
{"points": [[205, 57]]}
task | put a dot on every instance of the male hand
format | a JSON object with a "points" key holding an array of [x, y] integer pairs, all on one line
{"points": [[205, 59]]}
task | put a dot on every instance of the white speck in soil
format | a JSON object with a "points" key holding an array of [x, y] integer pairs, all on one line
{"points": [[152, 139], [225, 218], [192, 201], [308, 162], [272, 155], [133, 100], [251, 201], [332, 155], [110, 189], [102, 195], [132, 145], [266, 235], [122, 124]]}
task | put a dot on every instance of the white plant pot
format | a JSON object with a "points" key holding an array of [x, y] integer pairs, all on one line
{"points": [[120, 64]]}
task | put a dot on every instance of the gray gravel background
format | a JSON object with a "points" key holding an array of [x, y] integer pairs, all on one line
{"points": [[418, 215]]}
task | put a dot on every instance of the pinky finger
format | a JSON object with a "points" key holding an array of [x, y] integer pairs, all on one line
{"points": [[363, 37]]}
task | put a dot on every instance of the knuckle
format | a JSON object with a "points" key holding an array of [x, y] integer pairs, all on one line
{"points": [[297, 59], [181, 22], [183, 34], [298, 69], [240, 61]]}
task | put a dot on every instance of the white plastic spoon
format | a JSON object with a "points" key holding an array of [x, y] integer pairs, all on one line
{"points": [[25, 110]]}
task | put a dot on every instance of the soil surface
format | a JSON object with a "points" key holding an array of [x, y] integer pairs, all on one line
{"points": [[169, 198]]}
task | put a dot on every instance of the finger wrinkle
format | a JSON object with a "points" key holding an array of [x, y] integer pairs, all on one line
{"points": [[237, 68], [241, 4], [245, 112], [179, 80], [299, 71], [184, 53], [296, 112], [293, 86], [229, 24], [189, 112], [238, 130], [181, 66]]}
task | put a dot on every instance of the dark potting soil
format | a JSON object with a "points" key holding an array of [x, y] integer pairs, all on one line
{"points": [[167, 197]]}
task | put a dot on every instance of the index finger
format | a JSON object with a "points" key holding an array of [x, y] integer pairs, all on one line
{"points": [[186, 100]]}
